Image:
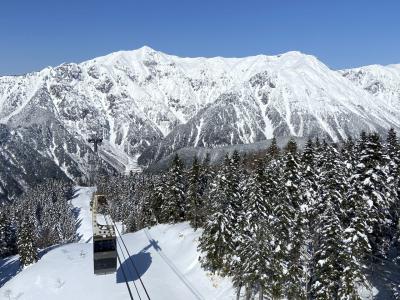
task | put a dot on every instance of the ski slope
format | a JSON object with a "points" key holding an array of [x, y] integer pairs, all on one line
{"points": [[165, 256]]}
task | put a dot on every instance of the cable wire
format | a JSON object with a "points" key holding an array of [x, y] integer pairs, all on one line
{"points": [[123, 255], [126, 280], [130, 259], [122, 269]]}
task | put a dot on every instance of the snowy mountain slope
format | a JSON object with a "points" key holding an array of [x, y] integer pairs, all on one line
{"points": [[22, 165], [383, 82], [296, 95], [147, 102], [165, 255]]}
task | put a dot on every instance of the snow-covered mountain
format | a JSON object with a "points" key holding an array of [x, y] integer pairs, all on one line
{"points": [[383, 82], [148, 104]]}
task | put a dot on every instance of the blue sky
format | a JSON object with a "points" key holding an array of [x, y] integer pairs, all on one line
{"points": [[35, 34]]}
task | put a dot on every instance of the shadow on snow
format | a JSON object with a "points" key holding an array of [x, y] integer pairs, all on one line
{"points": [[142, 261], [10, 266]]}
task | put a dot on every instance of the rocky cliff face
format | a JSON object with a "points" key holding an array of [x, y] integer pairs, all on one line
{"points": [[21, 165], [147, 104]]}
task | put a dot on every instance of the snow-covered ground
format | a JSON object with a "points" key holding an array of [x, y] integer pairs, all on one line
{"points": [[165, 256], [81, 203]]}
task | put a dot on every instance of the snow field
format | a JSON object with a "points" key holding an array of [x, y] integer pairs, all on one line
{"points": [[165, 256]]}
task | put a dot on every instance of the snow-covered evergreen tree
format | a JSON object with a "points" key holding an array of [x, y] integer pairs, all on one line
{"points": [[260, 266], [7, 233], [309, 184], [279, 221], [328, 228], [174, 206], [357, 226], [158, 196], [292, 221], [372, 176], [327, 269], [392, 152], [310, 198], [220, 238], [212, 243], [148, 206], [233, 204], [195, 195], [66, 225], [348, 153], [26, 241], [273, 150]]}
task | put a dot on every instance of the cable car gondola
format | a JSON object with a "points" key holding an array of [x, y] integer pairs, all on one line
{"points": [[104, 238]]}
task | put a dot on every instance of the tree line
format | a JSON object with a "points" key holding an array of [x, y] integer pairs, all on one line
{"points": [[296, 224], [43, 216]]}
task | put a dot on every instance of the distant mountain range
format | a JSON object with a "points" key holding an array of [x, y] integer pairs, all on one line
{"points": [[147, 105]]}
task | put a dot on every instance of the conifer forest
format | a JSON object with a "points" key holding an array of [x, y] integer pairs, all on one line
{"points": [[309, 223]]}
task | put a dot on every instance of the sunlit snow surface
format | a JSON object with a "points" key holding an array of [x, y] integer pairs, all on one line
{"points": [[165, 256], [145, 97]]}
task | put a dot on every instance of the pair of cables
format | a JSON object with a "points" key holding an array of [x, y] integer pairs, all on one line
{"points": [[132, 263]]}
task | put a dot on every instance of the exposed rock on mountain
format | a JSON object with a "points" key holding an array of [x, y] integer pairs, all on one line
{"points": [[149, 104]]}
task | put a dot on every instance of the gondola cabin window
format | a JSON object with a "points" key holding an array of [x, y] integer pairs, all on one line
{"points": [[104, 245]]}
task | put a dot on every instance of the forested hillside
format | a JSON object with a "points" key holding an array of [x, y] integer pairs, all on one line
{"points": [[291, 224], [298, 224]]}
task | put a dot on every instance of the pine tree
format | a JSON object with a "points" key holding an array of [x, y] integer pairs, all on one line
{"points": [[257, 207], [26, 242], [328, 233], [373, 178], [357, 226], [158, 195], [309, 182], [293, 219], [148, 199], [174, 205], [309, 173], [257, 259], [273, 150], [234, 196], [212, 243], [7, 233], [310, 198], [207, 175], [392, 152], [348, 152], [3, 243], [392, 148], [220, 239], [231, 199], [195, 196], [258, 264], [279, 222], [327, 270], [66, 225], [356, 246]]}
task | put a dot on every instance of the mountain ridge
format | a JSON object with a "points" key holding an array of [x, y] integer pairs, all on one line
{"points": [[147, 104]]}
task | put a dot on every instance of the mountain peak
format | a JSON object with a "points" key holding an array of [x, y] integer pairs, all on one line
{"points": [[145, 49]]}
